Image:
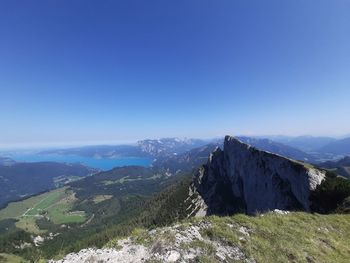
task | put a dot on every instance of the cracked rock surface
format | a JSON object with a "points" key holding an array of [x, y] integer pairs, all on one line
{"points": [[179, 243]]}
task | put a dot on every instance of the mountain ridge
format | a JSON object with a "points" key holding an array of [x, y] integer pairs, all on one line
{"points": [[24, 179], [339, 147], [277, 148], [226, 183], [118, 202]]}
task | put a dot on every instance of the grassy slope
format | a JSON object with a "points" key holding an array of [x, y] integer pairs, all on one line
{"points": [[29, 225], [16, 209], [11, 258], [100, 198], [46, 201], [129, 179], [296, 237], [106, 209], [55, 204]]}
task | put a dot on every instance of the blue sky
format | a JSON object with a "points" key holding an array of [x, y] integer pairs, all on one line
{"points": [[108, 71]]}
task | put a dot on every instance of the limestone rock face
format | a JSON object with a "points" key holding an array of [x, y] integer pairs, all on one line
{"points": [[241, 178], [178, 243]]}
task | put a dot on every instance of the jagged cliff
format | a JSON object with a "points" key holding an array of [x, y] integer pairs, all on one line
{"points": [[241, 178]]}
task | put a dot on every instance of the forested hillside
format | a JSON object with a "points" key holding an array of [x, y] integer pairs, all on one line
{"points": [[19, 180]]}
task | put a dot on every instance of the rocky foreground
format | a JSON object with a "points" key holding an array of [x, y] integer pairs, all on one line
{"points": [[179, 243], [278, 236], [240, 180]]}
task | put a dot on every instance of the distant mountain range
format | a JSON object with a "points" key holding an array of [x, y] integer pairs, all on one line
{"points": [[143, 148], [6, 161], [278, 148], [338, 147], [341, 167], [304, 143], [236, 179], [171, 155], [195, 157], [101, 151], [185, 161], [169, 146], [187, 178], [305, 148]]}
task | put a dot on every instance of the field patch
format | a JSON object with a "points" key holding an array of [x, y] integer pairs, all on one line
{"points": [[42, 206], [28, 224], [126, 179], [100, 198], [16, 209], [55, 205]]}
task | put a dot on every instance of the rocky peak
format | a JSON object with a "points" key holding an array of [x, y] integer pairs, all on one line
{"points": [[241, 178], [169, 146]]}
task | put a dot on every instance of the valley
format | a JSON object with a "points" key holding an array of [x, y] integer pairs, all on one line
{"points": [[174, 131], [55, 206], [96, 209], [341, 167], [21, 180]]}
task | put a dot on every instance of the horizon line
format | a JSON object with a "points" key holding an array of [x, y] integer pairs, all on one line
{"points": [[72, 144]]}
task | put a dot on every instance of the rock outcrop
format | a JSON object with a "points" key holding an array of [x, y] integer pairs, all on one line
{"points": [[178, 243], [241, 178]]}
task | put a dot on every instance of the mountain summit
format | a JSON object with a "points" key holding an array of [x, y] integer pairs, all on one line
{"points": [[241, 178]]}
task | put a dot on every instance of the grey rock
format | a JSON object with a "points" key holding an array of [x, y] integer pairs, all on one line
{"points": [[241, 178]]}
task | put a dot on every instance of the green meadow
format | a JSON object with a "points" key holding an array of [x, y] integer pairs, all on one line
{"points": [[55, 205]]}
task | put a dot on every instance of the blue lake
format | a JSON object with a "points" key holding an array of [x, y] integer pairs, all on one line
{"points": [[102, 163]]}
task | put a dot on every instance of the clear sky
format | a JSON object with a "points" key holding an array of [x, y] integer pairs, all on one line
{"points": [[107, 71]]}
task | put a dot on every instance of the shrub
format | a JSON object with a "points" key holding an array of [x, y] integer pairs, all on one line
{"points": [[330, 195]]}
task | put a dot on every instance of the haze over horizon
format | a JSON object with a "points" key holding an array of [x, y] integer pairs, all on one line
{"points": [[88, 72], [34, 146]]}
